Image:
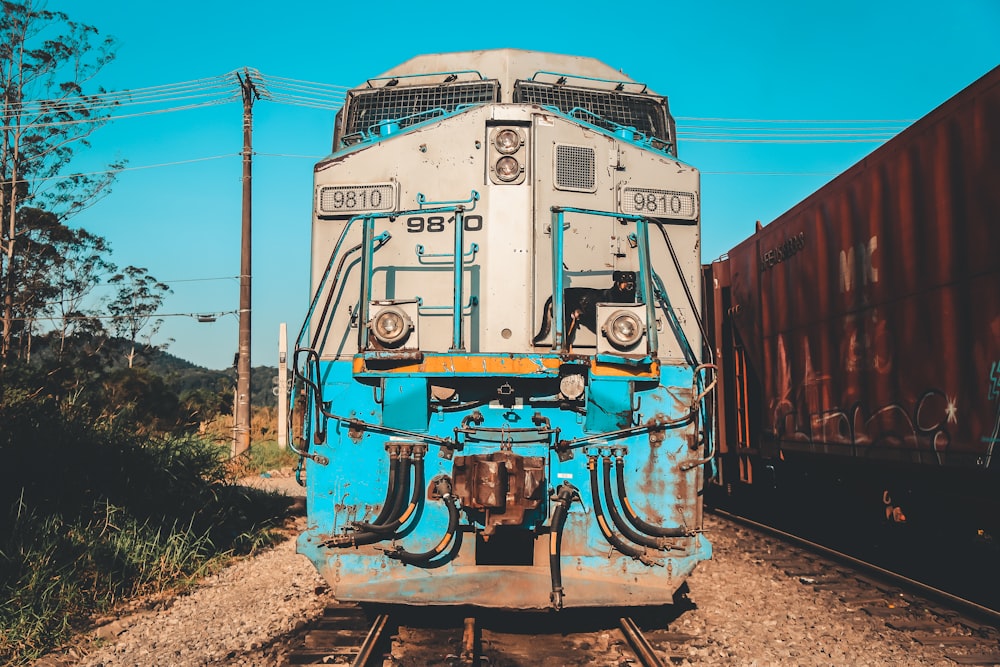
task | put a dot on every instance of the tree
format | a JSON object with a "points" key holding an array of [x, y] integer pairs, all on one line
{"points": [[82, 265], [57, 268], [45, 61], [34, 260], [138, 298]]}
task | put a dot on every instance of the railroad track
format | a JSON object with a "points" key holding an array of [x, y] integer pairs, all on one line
{"points": [[966, 632], [350, 635]]}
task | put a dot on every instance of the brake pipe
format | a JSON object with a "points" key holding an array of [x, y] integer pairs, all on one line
{"points": [[563, 498], [633, 551], [648, 528], [365, 535], [616, 518], [399, 519], [390, 488], [443, 487]]}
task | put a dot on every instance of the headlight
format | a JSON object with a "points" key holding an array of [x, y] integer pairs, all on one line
{"points": [[507, 141], [572, 385], [623, 329], [508, 169], [391, 326]]}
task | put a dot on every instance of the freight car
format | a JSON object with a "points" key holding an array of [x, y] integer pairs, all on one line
{"points": [[498, 389], [858, 338]]}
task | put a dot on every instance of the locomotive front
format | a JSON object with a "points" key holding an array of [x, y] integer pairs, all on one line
{"points": [[498, 387]]}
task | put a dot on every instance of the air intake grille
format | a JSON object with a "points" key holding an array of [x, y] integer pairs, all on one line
{"points": [[575, 167], [408, 105], [646, 113]]}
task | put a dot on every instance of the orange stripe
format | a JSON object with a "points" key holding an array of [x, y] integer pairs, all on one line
{"points": [[443, 543], [628, 507], [471, 364], [623, 370], [407, 513]]}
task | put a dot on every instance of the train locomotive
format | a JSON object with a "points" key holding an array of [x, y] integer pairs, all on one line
{"points": [[498, 390], [858, 342]]}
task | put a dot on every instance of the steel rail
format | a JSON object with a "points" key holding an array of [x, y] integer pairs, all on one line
{"points": [[960, 604], [372, 641], [637, 642]]}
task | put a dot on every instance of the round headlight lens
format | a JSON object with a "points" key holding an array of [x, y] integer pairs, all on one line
{"points": [[623, 329], [507, 141], [508, 168], [390, 326], [572, 386]]}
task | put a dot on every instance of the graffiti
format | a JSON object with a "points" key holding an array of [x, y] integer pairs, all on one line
{"points": [[857, 266], [866, 343], [994, 390], [994, 393], [921, 427], [808, 413]]}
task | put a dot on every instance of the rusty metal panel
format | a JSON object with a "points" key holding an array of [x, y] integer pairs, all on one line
{"points": [[871, 309]]}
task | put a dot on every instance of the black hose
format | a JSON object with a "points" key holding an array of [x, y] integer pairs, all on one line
{"points": [[410, 558], [398, 518], [563, 498], [648, 528], [390, 488], [363, 533], [616, 518], [630, 550]]}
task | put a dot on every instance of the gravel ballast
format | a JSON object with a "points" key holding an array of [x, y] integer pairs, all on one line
{"points": [[744, 613]]}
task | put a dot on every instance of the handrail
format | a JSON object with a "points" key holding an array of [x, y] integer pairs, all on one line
{"points": [[309, 372], [559, 344], [445, 74], [565, 77]]}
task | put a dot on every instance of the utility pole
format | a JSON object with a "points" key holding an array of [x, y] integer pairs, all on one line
{"points": [[241, 429]]}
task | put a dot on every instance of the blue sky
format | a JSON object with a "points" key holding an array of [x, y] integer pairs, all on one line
{"points": [[178, 214]]}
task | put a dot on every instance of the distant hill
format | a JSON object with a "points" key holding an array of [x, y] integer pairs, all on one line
{"points": [[183, 376], [179, 375]]}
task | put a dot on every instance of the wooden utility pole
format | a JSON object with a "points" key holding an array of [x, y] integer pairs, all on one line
{"points": [[241, 429]]}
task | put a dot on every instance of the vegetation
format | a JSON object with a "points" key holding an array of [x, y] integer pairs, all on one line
{"points": [[46, 61], [119, 482], [116, 453]]}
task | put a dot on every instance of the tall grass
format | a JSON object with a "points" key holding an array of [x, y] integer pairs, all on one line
{"points": [[94, 514]]}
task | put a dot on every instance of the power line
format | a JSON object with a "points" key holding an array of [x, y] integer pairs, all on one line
{"points": [[222, 89], [115, 171], [201, 317]]}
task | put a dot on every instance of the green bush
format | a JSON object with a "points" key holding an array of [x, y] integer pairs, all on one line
{"points": [[96, 512]]}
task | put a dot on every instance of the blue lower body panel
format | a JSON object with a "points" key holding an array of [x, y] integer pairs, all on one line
{"points": [[500, 462]]}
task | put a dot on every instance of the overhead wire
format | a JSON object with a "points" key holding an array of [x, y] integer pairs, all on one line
{"points": [[224, 88], [787, 131]]}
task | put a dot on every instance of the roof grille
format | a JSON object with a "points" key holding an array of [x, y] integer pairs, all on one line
{"points": [[408, 105], [646, 113]]}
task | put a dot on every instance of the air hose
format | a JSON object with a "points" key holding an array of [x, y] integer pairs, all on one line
{"points": [[390, 488], [370, 533], [399, 519], [648, 528], [563, 498], [443, 487], [630, 550], [616, 518]]}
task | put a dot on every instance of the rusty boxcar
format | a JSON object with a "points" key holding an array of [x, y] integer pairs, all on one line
{"points": [[858, 334]]}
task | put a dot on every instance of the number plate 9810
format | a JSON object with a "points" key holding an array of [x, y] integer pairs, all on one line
{"points": [[337, 199], [659, 203]]}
